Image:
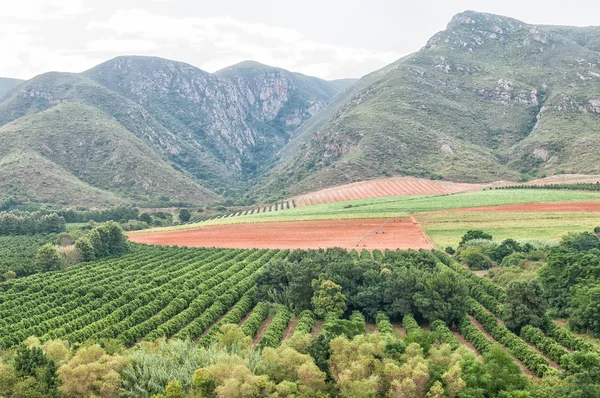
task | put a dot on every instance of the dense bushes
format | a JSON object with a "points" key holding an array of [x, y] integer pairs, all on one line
{"points": [[259, 314], [444, 334], [306, 322], [384, 326]]}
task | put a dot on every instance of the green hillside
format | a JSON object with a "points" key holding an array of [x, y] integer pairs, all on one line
{"points": [[75, 153], [488, 98], [7, 84]]}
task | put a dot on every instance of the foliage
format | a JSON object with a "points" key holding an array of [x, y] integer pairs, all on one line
{"points": [[585, 309], [525, 304], [25, 223], [443, 297], [475, 258], [184, 215], [328, 299], [48, 259], [17, 253], [475, 234], [274, 332]]}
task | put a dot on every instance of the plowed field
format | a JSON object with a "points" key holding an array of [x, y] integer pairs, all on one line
{"points": [[350, 234], [383, 187]]}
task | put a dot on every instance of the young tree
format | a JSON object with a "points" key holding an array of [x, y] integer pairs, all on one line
{"points": [[328, 299], [585, 309], [47, 258], [86, 249], [475, 234], [145, 217], [184, 215], [505, 374], [525, 304], [443, 297]]}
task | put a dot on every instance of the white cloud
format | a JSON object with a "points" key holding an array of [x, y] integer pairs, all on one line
{"points": [[219, 40], [42, 9], [121, 45]]}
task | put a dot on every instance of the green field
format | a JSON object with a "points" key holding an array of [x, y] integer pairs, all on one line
{"points": [[386, 207], [447, 228]]}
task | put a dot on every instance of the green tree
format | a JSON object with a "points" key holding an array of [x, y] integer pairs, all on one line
{"points": [[145, 217], [85, 248], [475, 234], [184, 215], [47, 258], [328, 299], [585, 309], [525, 304], [443, 297], [505, 374]]}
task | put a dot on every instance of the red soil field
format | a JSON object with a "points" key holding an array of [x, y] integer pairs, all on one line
{"points": [[555, 207], [350, 234], [398, 186]]}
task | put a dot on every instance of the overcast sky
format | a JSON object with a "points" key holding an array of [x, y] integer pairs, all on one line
{"points": [[326, 38]]}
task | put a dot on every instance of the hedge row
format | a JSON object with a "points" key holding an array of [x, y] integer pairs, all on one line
{"points": [[306, 322], [474, 335], [545, 344], [234, 316], [384, 326], [444, 335], [488, 286], [515, 345], [276, 328], [409, 324], [252, 324], [566, 338]]}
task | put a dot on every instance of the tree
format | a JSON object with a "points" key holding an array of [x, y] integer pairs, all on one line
{"points": [[443, 297], [505, 374], [475, 259], [475, 234], [585, 309], [184, 215], [47, 258], [85, 248], [328, 299], [91, 372], [145, 217], [525, 304]]}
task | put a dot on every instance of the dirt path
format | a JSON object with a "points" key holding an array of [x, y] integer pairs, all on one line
{"points": [[317, 328], [291, 328], [423, 232], [401, 233], [246, 317], [466, 343], [261, 330], [371, 328], [400, 329], [493, 340]]}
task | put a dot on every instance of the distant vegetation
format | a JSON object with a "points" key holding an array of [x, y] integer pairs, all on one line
{"points": [[573, 187]]}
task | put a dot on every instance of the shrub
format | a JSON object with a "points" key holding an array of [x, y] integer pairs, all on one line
{"points": [[475, 259], [513, 260], [475, 234], [450, 250]]}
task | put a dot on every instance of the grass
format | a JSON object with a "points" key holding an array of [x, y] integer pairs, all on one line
{"points": [[401, 206], [447, 228]]}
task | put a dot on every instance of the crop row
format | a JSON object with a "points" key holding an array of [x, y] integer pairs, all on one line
{"points": [[444, 335], [274, 332], [566, 338], [252, 324], [545, 344], [409, 324], [306, 322], [515, 345], [384, 326]]}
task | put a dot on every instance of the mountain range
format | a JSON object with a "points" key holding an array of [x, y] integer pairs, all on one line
{"points": [[488, 98]]}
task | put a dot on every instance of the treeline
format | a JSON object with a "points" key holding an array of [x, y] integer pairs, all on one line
{"points": [[335, 282], [590, 186], [25, 223], [120, 213]]}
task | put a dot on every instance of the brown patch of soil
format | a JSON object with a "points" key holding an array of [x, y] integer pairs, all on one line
{"points": [[317, 328], [399, 233], [246, 317], [400, 329], [291, 328], [261, 330]]}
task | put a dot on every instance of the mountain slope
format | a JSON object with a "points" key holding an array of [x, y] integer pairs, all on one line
{"points": [[7, 84], [86, 150], [488, 98], [233, 121]]}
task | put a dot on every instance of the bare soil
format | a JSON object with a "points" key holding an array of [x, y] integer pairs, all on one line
{"points": [[401, 233], [261, 330]]}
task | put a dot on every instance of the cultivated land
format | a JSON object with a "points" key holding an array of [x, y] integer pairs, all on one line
{"points": [[399, 233], [519, 214]]}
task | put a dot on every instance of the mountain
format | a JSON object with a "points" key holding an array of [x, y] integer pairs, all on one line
{"points": [[488, 98], [7, 84], [185, 134]]}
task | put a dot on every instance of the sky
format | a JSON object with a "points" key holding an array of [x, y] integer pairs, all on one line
{"points": [[330, 39]]}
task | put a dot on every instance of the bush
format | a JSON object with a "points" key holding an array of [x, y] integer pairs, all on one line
{"points": [[450, 250], [597, 230], [515, 259], [475, 259], [47, 258], [475, 234], [184, 215]]}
